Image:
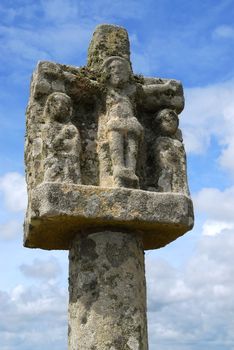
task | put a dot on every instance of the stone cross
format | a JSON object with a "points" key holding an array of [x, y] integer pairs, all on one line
{"points": [[106, 177]]}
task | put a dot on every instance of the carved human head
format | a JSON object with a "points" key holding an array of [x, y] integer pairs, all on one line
{"points": [[167, 122], [59, 107], [118, 70]]}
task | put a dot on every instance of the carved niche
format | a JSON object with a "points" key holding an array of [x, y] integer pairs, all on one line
{"points": [[102, 125]]}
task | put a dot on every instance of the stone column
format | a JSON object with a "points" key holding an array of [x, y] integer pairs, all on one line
{"points": [[107, 292], [104, 154]]}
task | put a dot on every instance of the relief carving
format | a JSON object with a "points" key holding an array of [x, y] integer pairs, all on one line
{"points": [[96, 124], [62, 144], [103, 149], [122, 130], [169, 154]]}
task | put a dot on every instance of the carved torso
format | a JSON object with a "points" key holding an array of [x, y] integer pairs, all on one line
{"points": [[121, 113]]}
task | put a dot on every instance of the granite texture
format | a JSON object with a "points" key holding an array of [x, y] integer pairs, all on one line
{"points": [[58, 211], [107, 292], [106, 178]]}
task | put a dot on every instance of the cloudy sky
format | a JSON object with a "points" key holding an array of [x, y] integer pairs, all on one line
{"points": [[190, 282]]}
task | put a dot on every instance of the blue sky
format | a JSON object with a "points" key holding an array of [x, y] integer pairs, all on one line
{"points": [[190, 282]]}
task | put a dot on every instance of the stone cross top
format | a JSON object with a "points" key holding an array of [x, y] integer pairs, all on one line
{"points": [[106, 176]]}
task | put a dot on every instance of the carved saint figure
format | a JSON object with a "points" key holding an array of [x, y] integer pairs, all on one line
{"points": [[170, 155], [62, 141], [124, 132]]}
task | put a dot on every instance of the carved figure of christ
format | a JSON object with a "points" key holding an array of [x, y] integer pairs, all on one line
{"points": [[124, 131]]}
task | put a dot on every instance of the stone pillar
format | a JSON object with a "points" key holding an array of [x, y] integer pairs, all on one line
{"points": [[107, 292], [104, 154]]}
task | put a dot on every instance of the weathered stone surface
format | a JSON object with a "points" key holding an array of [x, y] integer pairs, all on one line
{"points": [[107, 118], [70, 81], [170, 155], [59, 211], [113, 111], [62, 144], [108, 40], [107, 292], [106, 177], [120, 134]]}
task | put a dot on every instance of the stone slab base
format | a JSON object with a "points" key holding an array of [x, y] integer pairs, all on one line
{"points": [[59, 211]]}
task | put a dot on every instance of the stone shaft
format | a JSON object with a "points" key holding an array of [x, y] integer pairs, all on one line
{"points": [[106, 177], [107, 292]]}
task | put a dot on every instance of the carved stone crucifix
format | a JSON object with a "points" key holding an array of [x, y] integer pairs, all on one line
{"points": [[106, 176]]}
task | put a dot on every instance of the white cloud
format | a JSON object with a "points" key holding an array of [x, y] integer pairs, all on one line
{"points": [[107, 11], [193, 308], [226, 157], [42, 269], [11, 13], [184, 308], [140, 63], [224, 31], [29, 316], [214, 227], [10, 229], [188, 308], [13, 189], [217, 205], [209, 112], [60, 10], [49, 42], [61, 35]]}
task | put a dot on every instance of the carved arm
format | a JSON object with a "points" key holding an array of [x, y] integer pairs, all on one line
{"points": [[161, 93]]}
